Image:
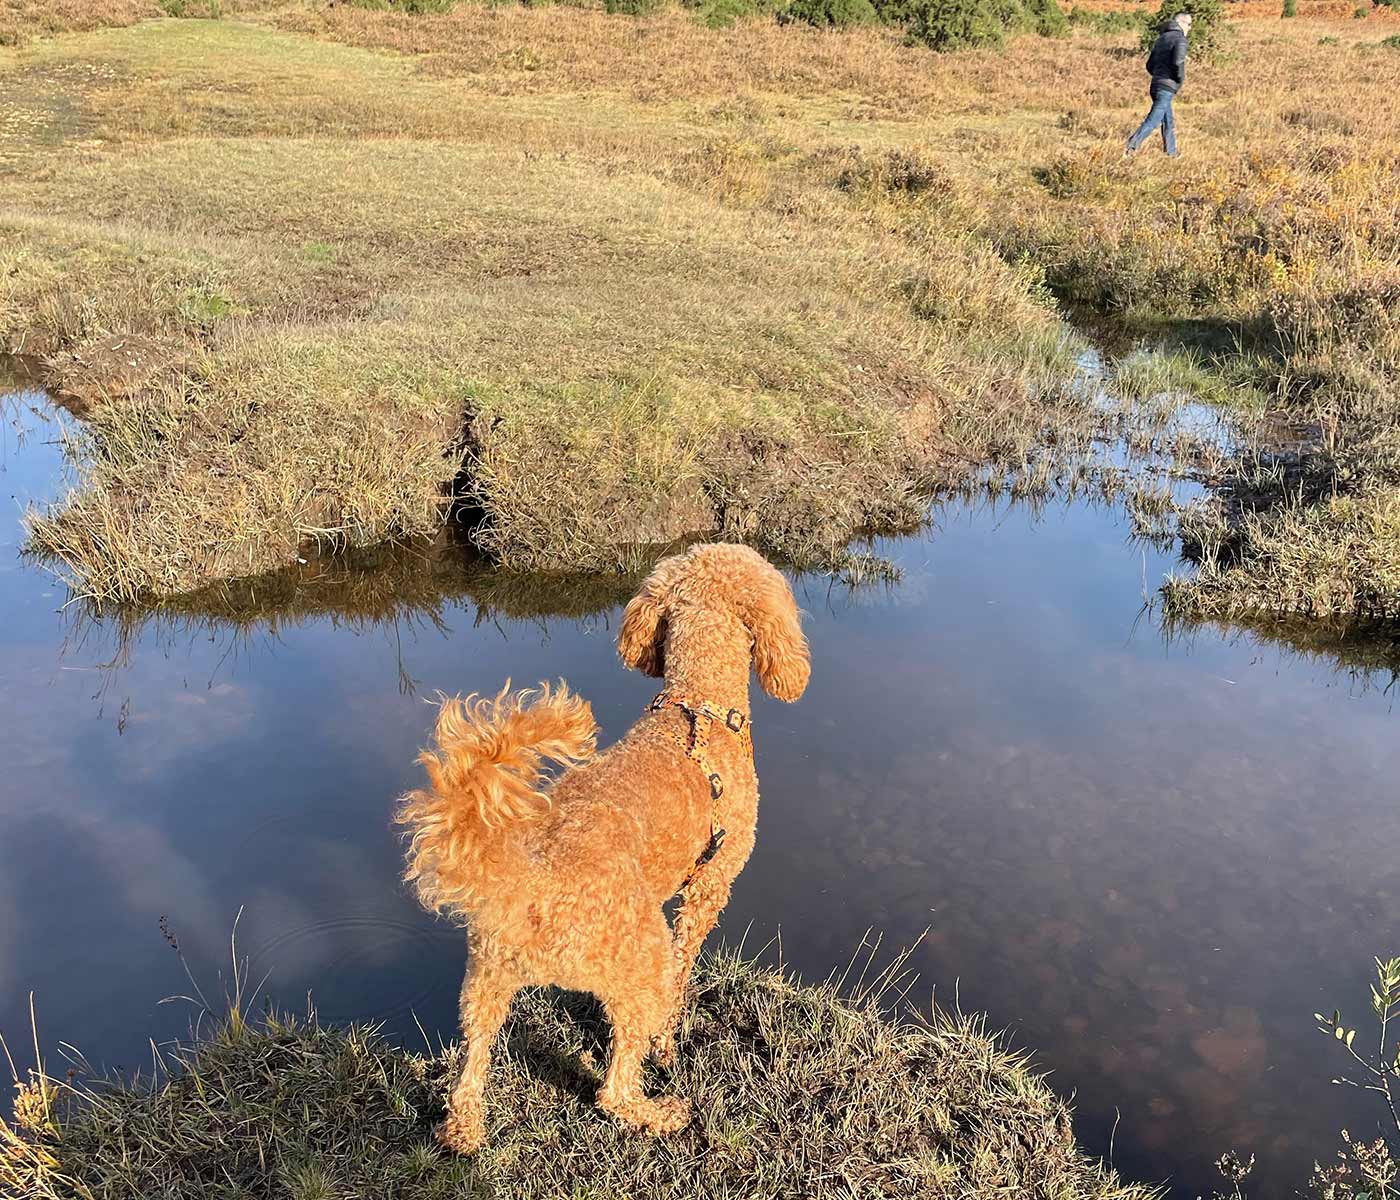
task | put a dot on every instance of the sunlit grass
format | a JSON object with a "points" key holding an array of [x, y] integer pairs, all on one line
{"points": [[796, 1089]]}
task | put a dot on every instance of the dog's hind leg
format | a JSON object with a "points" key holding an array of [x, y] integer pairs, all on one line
{"points": [[637, 998], [487, 991]]}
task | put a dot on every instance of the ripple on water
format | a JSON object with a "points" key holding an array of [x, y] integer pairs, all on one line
{"points": [[379, 968]]}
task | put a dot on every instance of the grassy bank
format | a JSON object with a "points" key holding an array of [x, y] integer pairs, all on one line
{"points": [[610, 281], [314, 292], [798, 1093]]}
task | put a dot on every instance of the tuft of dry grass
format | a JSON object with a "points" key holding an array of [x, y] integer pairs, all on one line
{"points": [[798, 1092], [188, 482]]}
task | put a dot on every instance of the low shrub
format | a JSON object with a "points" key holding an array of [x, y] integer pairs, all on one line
{"points": [[1046, 18], [633, 8], [1290, 8], [1107, 23], [1211, 31], [721, 14], [210, 9], [966, 24], [403, 6], [896, 172], [1076, 176], [953, 24], [830, 14]]}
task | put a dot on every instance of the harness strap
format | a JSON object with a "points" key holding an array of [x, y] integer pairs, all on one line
{"points": [[703, 718]]}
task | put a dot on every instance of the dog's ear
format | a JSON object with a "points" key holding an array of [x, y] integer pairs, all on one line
{"points": [[642, 639], [780, 654]]}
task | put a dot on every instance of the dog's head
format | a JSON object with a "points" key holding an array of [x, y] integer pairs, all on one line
{"points": [[729, 583]]}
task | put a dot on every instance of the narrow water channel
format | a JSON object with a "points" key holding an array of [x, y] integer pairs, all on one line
{"points": [[1149, 858]]}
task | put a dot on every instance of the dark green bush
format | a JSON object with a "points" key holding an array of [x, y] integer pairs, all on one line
{"points": [[1045, 17], [1114, 21], [1210, 30], [404, 6], [1010, 15], [211, 9], [953, 24], [1290, 8], [721, 14], [965, 24], [1393, 41], [834, 14]]}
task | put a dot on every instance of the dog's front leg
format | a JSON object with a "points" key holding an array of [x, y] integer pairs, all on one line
{"points": [[704, 900]]}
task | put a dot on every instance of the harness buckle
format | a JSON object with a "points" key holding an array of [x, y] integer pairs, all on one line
{"points": [[716, 786], [716, 841], [734, 719]]}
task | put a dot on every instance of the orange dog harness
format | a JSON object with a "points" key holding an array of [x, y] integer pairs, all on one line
{"points": [[703, 718]]}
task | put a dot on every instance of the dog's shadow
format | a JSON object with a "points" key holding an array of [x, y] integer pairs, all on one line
{"points": [[560, 1039]]}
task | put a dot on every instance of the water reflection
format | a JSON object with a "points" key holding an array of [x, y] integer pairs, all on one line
{"points": [[400, 591], [1152, 857]]}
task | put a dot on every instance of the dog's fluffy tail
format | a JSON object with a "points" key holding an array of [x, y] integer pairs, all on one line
{"points": [[483, 774]]}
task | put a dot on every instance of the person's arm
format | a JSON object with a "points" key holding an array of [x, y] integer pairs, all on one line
{"points": [[1179, 61]]}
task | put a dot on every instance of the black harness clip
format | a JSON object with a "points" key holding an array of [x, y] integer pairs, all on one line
{"points": [[716, 841]]}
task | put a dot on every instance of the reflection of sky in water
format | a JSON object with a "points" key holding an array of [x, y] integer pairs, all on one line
{"points": [[1152, 862]]}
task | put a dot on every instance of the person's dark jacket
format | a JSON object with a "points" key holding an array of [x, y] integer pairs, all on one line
{"points": [[1167, 62]]}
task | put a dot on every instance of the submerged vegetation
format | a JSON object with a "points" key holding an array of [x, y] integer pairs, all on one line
{"points": [[797, 1091]]}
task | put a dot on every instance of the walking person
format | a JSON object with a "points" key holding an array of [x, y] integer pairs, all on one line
{"points": [[1166, 64]]}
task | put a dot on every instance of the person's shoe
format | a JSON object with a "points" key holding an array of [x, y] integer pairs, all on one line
{"points": [[1128, 152]]}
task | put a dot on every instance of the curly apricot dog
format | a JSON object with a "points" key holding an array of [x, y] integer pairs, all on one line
{"points": [[565, 887]]}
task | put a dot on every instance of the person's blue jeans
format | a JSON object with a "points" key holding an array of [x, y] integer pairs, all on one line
{"points": [[1161, 114]]}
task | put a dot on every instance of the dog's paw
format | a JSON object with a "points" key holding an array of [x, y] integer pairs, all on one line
{"points": [[668, 1114], [663, 1049], [663, 1115], [461, 1134]]}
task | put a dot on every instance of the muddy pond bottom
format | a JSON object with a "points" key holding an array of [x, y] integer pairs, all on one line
{"points": [[1150, 858]]}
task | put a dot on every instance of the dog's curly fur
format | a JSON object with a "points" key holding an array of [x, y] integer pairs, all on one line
{"points": [[566, 886]]}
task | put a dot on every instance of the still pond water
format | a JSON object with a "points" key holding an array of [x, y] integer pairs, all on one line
{"points": [[1151, 859]]}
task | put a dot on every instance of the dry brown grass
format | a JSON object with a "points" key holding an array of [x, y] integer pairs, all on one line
{"points": [[23, 20], [663, 279], [854, 75], [331, 265]]}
